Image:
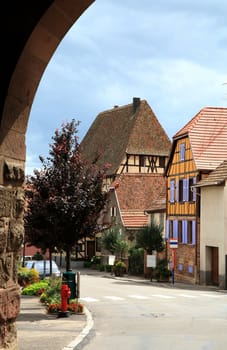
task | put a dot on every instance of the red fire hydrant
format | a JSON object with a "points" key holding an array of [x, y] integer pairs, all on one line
{"points": [[65, 294]]}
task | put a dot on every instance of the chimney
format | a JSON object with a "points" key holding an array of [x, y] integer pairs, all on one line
{"points": [[136, 103]]}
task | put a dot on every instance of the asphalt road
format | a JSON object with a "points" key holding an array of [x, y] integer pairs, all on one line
{"points": [[137, 316]]}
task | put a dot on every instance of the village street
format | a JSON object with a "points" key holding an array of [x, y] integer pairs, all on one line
{"points": [[142, 315]]}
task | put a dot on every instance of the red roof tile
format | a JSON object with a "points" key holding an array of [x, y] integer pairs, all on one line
{"points": [[137, 193], [207, 133], [122, 130], [216, 177], [136, 220]]}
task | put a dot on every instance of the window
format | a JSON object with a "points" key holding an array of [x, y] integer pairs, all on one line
{"points": [[190, 269], [142, 161], [162, 162], [183, 188], [180, 231], [113, 211], [189, 232], [180, 191], [192, 191], [172, 190], [180, 267], [182, 152]]}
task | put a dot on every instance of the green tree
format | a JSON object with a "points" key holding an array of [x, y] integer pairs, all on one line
{"points": [[67, 194], [109, 240], [113, 242], [150, 238]]}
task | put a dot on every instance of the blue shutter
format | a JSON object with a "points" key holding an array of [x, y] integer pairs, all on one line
{"points": [[175, 228], [194, 189], [177, 190], [167, 229], [182, 151], [172, 189], [185, 190], [184, 231], [194, 232]]}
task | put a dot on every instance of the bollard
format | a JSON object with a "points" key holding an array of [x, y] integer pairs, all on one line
{"points": [[65, 294]]}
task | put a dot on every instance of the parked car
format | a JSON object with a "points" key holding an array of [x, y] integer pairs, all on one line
{"points": [[39, 266], [26, 257]]}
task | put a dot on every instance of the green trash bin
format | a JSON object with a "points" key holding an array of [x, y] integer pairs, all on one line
{"points": [[69, 277]]}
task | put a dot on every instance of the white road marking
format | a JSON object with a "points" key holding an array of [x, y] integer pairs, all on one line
{"points": [[111, 297], [138, 297], [163, 296], [210, 295], [142, 297], [89, 299], [189, 296]]}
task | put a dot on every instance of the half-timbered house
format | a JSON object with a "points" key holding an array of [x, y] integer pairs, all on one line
{"points": [[197, 149], [132, 141]]}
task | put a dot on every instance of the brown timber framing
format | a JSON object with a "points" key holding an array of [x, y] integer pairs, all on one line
{"points": [[182, 211], [142, 164]]}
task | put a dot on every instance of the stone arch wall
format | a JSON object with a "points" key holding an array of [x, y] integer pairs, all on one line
{"points": [[58, 17]]}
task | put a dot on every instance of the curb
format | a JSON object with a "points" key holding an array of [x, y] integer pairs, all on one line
{"points": [[90, 323]]}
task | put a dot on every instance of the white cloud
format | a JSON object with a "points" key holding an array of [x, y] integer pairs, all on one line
{"points": [[172, 53]]}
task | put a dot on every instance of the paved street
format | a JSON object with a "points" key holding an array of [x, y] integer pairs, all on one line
{"points": [[129, 315]]}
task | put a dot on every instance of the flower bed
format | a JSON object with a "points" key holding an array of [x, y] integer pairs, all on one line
{"points": [[74, 307]]}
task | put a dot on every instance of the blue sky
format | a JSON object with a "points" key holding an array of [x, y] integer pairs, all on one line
{"points": [[173, 53]]}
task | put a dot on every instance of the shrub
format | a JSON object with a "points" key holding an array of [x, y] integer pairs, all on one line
{"points": [[136, 261], [162, 271], [27, 276], [119, 268], [35, 288], [87, 264], [108, 268], [52, 293]]}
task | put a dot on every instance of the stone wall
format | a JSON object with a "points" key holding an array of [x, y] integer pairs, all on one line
{"points": [[11, 238]]}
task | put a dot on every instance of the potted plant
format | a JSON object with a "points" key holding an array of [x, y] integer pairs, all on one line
{"points": [[119, 268], [162, 272]]}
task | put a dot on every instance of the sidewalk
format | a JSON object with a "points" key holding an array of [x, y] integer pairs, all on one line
{"points": [[38, 330]]}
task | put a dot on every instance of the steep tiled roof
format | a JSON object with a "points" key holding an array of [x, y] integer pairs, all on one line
{"points": [[122, 130], [137, 193], [207, 132], [134, 220], [216, 177]]}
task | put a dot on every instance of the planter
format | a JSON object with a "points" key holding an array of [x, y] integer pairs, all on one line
{"points": [[119, 272], [119, 269]]}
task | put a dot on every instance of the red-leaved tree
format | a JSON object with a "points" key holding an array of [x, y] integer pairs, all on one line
{"points": [[66, 197]]}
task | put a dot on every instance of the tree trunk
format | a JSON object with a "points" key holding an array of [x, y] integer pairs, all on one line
{"points": [[68, 260], [50, 257]]}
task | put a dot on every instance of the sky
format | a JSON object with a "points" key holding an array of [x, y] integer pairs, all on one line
{"points": [[172, 53]]}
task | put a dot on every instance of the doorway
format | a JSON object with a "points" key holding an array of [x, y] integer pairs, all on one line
{"points": [[212, 271]]}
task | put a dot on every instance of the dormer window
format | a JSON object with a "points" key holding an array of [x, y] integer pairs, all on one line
{"points": [[182, 152], [113, 211]]}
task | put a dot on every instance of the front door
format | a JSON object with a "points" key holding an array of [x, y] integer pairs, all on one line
{"points": [[90, 249], [214, 267]]}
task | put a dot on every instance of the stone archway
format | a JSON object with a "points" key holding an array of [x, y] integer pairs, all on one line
{"points": [[37, 29]]}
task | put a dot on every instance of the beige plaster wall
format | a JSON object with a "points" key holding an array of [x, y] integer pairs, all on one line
{"points": [[213, 228]]}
